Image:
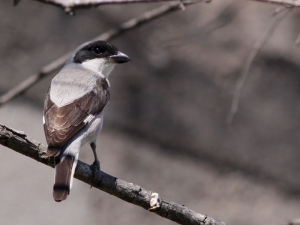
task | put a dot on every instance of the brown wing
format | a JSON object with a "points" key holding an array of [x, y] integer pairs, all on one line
{"points": [[62, 123]]}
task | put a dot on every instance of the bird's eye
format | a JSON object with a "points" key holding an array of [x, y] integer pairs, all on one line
{"points": [[97, 50]]}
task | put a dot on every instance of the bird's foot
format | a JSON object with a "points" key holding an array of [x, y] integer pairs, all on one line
{"points": [[95, 166]]}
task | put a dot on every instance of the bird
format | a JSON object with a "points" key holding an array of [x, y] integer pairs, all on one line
{"points": [[73, 108]]}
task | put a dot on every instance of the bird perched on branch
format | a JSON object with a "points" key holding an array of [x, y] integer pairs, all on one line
{"points": [[73, 108]]}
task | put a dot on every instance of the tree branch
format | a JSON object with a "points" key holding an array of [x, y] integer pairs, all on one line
{"points": [[293, 3], [129, 25], [252, 55], [68, 6], [72, 4], [129, 192]]}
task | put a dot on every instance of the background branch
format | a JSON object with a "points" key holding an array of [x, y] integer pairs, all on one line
{"points": [[56, 64], [71, 5], [129, 192], [253, 53], [294, 3]]}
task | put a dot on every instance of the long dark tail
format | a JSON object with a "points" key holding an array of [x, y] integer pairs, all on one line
{"points": [[64, 171]]}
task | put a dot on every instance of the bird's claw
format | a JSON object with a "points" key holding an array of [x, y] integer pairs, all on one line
{"points": [[95, 166]]}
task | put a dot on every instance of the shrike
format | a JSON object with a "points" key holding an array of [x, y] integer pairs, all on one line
{"points": [[73, 108]]}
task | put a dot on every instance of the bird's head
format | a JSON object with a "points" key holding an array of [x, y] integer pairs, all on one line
{"points": [[99, 57]]}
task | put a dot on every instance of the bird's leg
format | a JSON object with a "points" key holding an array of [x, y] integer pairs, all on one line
{"points": [[96, 163]]}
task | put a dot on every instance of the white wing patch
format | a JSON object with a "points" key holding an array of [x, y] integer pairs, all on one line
{"points": [[73, 169], [107, 82], [43, 120], [89, 118]]}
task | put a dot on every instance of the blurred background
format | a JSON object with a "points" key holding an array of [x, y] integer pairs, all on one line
{"points": [[165, 126]]}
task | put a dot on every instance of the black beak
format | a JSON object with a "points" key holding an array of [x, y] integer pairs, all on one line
{"points": [[119, 58]]}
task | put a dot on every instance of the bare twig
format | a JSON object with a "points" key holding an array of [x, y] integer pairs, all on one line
{"points": [[293, 3], [70, 5], [129, 192], [129, 25], [253, 53]]}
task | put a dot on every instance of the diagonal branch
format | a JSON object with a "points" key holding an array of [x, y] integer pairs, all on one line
{"points": [[70, 5], [252, 55], [129, 25], [129, 192], [293, 3]]}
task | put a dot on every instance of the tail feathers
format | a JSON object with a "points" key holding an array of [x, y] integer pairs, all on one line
{"points": [[64, 171], [53, 151]]}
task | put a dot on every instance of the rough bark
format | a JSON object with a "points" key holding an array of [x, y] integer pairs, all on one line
{"points": [[129, 192]]}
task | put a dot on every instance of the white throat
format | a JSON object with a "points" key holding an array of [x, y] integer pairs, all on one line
{"points": [[100, 66]]}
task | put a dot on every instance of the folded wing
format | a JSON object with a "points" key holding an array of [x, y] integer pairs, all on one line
{"points": [[62, 123]]}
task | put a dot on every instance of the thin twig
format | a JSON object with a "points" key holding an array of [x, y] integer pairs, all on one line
{"points": [[71, 5], [129, 192], [129, 25], [253, 53], [293, 3]]}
